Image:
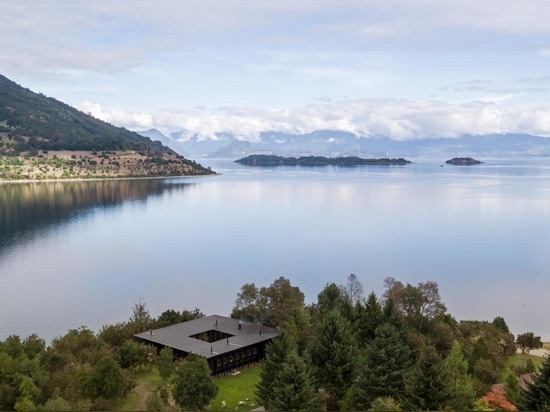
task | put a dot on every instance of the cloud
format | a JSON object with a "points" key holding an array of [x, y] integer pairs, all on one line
{"points": [[537, 80], [118, 117], [471, 85], [398, 119], [110, 36]]}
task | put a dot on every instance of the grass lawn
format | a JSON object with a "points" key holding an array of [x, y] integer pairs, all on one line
{"points": [[237, 388], [519, 358], [232, 389], [146, 382]]}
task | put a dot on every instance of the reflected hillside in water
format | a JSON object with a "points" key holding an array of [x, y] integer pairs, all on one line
{"points": [[29, 208]]}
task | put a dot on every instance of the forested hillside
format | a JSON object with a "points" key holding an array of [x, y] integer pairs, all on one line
{"points": [[345, 351], [53, 125], [34, 128]]}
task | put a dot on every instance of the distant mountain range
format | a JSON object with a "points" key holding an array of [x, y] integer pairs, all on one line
{"points": [[337, 143]]}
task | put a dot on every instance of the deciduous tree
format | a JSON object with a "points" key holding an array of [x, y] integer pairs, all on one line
{"points": [[107, 380], [141, 319], [193, 386], [456, 368], [497, 400], [527, 341], [271, 306], [353, 289], [165, 363]]}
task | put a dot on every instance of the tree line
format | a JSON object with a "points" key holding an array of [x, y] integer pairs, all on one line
{"points": [[345, 351], [400, 351]]}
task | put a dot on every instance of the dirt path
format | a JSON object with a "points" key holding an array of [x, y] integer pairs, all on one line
{"points": [[142, 389]]}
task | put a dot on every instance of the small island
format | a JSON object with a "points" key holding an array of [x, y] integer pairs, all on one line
{"points": [[273, 160], [463, 161]]}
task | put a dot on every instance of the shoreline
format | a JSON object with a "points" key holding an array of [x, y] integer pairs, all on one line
{"points": [[91, 179]]}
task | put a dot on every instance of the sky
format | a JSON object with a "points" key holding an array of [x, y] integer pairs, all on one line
{"points": [[395, 68]]}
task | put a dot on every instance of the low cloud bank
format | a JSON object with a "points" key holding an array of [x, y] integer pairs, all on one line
{"points": [[392, 118]]}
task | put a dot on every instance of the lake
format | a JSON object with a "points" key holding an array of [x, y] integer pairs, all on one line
{"points": [[81, 253]]}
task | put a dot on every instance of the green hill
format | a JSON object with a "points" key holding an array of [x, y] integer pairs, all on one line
{"points": [[38, 132]]}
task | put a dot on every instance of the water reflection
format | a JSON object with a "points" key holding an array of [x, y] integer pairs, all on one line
{"points": [[478, 232], [29, 208]]}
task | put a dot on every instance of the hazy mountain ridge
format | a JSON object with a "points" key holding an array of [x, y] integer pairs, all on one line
{"points": [[338, 143]]}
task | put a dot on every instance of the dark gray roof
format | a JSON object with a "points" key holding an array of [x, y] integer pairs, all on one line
{"points": [[178, 336]]}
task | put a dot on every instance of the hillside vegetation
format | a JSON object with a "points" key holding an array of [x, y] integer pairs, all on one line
{"points": [[43, 138], [344, 351]]}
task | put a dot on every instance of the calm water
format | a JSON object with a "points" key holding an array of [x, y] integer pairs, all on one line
{"points": [[81, 253]]}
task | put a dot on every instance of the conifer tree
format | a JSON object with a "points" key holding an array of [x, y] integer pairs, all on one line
{"points": [[333, 354], [293, 389], [387, 363], [392, 315], [536, 396], [429, 386], [276, 355], [478, 352], [369, 316], [333, 298]]}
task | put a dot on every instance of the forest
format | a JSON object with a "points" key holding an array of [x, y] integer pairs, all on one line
{"points": [[345, 351], [42, 138], [347, 161], [34, 122]]}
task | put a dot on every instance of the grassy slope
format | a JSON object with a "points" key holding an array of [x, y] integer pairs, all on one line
{"points": [[237, 388], [518, 358], [145, 384], [232, 389]]}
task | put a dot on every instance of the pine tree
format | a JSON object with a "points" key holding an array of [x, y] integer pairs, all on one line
{"points": [[429, 386], [369, 317], [333, 354], [536, 397], [293, 389], [387, 363], [277, 353], [391, 314]]}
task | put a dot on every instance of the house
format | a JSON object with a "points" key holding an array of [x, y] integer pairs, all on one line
{"points": [[226, 343]]}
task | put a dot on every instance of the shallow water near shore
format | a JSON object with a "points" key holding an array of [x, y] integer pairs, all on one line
{"points": [[81, 253]]}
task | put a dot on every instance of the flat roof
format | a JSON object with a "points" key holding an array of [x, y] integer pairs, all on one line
{"points": [[178, 336]]}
